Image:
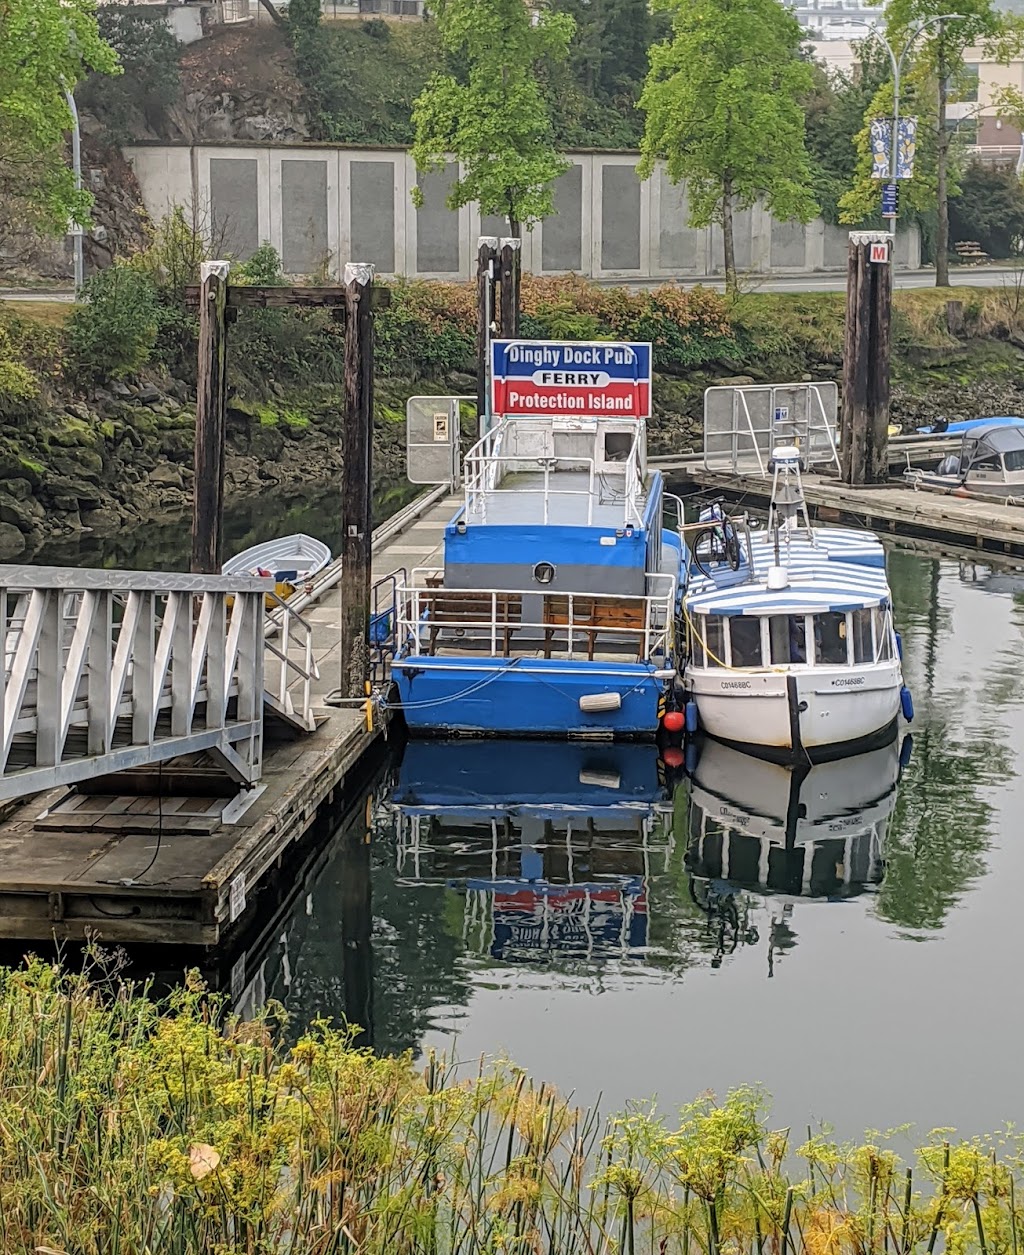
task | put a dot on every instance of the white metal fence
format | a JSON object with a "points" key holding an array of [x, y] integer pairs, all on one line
{"points": [[104, 671]]}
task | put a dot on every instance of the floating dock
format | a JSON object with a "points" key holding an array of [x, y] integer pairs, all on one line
{"points": [[151, 856], [900, 510]]}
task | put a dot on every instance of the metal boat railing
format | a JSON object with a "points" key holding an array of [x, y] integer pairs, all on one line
{"points": [[492, 614], [485, 468]]}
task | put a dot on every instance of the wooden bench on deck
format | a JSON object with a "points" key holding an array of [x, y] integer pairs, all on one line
{"points": [[458, 609], [594, 615]]}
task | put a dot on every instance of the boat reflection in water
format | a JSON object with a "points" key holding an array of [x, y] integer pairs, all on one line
{"points": [[788, 833], [562, 867]]}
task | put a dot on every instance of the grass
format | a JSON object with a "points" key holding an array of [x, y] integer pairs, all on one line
{"points": [[129, 1126], [51, 313]]}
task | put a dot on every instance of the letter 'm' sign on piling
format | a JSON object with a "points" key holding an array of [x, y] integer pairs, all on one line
{"points": [[533, 377]]}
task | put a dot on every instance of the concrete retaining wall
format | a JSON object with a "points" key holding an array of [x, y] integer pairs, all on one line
{"points": [[318, 203]]}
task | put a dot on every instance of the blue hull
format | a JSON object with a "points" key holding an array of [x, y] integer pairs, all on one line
{"points": [[524, 696]]}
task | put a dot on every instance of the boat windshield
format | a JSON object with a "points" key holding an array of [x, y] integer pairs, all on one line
{"points": [[836, 639]]}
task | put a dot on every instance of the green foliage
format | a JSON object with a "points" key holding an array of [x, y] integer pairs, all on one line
{"points": [[722, 105], [263, 269], [359, 81], [149, 55], [170, 1127], [491, 116], [45, 47], [835, 109], [989, 209], [113, 333]]}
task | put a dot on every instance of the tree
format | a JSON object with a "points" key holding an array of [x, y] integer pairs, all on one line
{"points": [[46, 46], [722, 104], [491, 116], [989, 209], [942, 55], [834, 115], [149, 55]]}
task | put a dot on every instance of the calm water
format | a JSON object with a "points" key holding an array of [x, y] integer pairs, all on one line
{"points": [[625, 934]]}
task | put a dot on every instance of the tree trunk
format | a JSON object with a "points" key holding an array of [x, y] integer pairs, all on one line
{"points": [[515, 227], [728, 243], [268, 5], [941, 183]]}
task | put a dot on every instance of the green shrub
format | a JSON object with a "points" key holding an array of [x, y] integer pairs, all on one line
{"points": [[263, 269], [18, 386], [113, 333]]}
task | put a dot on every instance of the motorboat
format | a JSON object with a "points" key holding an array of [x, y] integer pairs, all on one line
{"points": [[289, 560], [944, 428], [990, 463], [791, 647], [554, 610]]}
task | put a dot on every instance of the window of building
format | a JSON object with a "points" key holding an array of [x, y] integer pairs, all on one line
{"points": [[963, 87]]}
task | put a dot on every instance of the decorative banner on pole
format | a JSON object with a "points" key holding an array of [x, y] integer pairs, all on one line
{"points": [[906, 147], [534, 377], [890, 200], [881, 144]]}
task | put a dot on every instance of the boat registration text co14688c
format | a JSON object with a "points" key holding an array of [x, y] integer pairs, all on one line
{"points": [[574, 380]]}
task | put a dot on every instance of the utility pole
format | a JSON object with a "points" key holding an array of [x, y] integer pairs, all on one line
{"points": [[511, 273], [357, 480], [211, 405], [864, 450], [486, 284]]}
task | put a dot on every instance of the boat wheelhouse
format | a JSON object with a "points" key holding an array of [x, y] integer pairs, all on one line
{"points": [[990, 463], [554, 610], [792, 649]]}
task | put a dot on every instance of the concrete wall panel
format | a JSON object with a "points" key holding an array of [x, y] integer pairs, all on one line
{"points": [[372, 207], [304, 245]]}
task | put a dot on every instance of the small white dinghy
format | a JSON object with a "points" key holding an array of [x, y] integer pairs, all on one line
{"points": [[289, 559]]}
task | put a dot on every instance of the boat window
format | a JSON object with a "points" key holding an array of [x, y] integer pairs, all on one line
{"points": [[863, 647], [696, 645], [745, 641], [1014, 460], [714, 639], [991, 463], [830, 638], [788, 636], [883, 634]]}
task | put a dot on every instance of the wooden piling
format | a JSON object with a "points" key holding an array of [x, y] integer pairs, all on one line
{"points": [[865, 424], [357, 928], [211, 404], [357, 477], [486, 286], [510, 273]]}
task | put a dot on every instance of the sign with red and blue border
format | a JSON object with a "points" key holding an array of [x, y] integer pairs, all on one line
{"points": [[598, 379]]}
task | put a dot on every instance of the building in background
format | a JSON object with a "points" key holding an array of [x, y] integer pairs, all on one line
{"points": [[973, 114], [836, 19]]}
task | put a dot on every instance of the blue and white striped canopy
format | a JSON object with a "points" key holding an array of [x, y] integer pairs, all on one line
{"points": [[845, 570]]}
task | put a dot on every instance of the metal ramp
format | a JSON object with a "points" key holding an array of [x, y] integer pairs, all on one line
{"points": [[104, 671], [743, 424]]}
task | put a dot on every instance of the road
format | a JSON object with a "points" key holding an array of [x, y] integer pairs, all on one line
{"points": [[965, 276]]}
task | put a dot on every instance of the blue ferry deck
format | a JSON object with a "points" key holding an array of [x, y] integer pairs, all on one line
{"points": [[554, 610]]}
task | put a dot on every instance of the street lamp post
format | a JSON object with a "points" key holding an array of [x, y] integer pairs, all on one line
{"points": [[76, 161], [897, 72]]}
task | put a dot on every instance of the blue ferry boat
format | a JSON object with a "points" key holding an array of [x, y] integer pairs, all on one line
{"points": [[555, 610]]}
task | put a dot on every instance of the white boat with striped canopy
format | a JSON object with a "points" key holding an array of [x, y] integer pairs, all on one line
{"points": [[792, 649]]}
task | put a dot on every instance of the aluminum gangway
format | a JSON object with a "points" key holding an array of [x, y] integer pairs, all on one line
{"points": [[105, 671]]}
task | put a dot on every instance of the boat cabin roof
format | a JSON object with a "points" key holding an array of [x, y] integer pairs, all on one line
{"points": [[843, 571], [992, 438]]}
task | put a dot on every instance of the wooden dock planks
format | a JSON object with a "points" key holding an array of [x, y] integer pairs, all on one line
{"points": [[75, 865], [897, 509]]}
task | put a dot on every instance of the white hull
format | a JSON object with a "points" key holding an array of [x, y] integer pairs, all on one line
{"points": [[835, 705]]}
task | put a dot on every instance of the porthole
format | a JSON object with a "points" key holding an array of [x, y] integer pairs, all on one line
{"points": [[543, 572]]}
